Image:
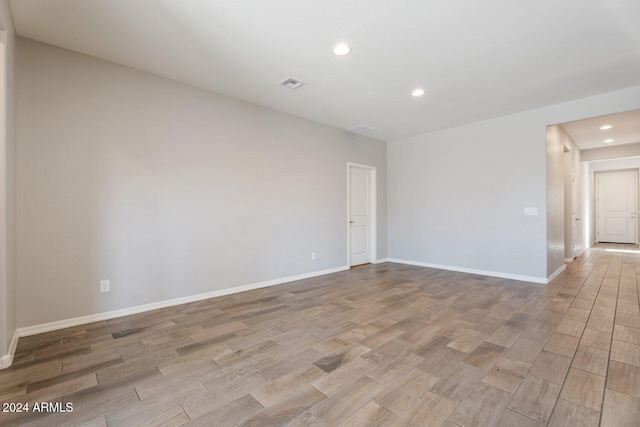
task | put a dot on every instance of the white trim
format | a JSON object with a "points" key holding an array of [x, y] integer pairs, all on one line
{"points": [[473, 271], [380, 261], [7, 359], [558, 271], [569, 259], [373, 229], [67, 323]]}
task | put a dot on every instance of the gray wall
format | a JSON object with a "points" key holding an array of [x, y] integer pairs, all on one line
{"points": [[555, 199], [613, 152], [8, 189], [617, 164], [571, 162], [456, 197], [563, 157], [167, 190]]}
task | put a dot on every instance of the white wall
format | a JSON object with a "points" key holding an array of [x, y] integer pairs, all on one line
{"points": [[456, 196], [588, 205], [7, 183], [167, 190], [604, 165], [612, 152]]}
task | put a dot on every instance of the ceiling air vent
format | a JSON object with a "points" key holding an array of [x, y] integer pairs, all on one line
{"points": [[291, 83], [359, 128]]}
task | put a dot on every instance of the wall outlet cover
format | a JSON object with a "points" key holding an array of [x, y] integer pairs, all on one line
{"points": [[105, 286]]}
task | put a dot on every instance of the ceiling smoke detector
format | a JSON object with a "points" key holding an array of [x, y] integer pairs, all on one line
{"points": [[359, 128], [291, 83]]}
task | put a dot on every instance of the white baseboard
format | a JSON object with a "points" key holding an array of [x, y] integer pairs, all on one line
{"points": [[569, 259], [473, 271], [67, 323], [558, 271], [7, 359], [380, 261]]}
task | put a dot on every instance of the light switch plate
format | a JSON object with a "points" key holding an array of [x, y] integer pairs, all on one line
{"points": [[531, 211]]}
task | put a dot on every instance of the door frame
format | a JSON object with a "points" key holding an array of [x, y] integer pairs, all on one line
{"points": [[576, 220], [373, 235], [636, 172]]}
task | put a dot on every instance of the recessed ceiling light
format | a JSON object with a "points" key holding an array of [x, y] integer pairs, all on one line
{"points": [[605, 127], [417, 92], [606, 141], [341, 49]]}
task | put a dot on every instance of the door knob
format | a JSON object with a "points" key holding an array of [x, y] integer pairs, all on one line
{"points": [[352, 222]]}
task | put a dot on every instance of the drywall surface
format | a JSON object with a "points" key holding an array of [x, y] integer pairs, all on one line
{"points": [[7, 183], [588, 205], [605, 165], [457, 196], [556, 163], [167, 190], [557, 136], [613, 152]]}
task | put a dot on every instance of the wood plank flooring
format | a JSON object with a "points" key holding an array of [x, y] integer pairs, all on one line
{"points": [[385, 345]]}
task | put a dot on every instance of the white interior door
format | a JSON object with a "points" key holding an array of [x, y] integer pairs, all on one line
{"points": [[575, 217], [616, 204], [359, 215]]}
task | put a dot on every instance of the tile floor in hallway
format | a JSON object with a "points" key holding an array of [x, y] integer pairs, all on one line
{"points": [[385, 344]]}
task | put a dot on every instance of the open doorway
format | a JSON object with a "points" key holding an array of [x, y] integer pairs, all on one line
{"points": [[591, 148]]}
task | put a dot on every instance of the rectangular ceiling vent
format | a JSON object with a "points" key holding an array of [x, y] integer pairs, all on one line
{"points": [[291, 83], [359, 128]]}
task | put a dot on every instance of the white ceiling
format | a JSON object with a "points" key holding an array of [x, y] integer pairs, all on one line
{"points": [[475, 59], [625, 129]]}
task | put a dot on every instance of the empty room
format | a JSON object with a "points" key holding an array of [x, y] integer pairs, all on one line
{"points": [[319, 213]]}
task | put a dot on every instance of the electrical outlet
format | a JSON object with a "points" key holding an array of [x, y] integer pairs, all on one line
{"points": [[313, 256], [105, 286]]}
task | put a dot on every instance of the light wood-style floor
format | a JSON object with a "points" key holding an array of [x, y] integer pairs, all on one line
{"points": [[387, 344]]}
